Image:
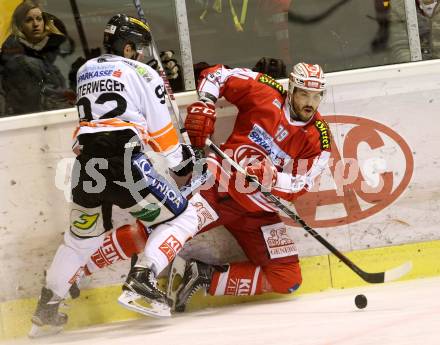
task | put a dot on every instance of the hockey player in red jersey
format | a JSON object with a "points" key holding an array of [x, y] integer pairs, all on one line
{"points": [[281, 138]]}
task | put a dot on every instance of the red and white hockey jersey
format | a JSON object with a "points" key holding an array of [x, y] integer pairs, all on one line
{"points": [[264, 128]]}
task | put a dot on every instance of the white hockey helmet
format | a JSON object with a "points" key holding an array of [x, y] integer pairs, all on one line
{"points": [[307, 77]]}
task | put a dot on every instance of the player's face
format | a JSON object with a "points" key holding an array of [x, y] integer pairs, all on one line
{"points": [[33, 25], [305, 103]]}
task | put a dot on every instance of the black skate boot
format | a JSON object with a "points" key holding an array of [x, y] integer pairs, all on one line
{"points": [[46, 319], [197, 275], [141, 286]]}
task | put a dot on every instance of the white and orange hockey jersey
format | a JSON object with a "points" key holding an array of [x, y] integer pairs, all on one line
{"points": [[264, 129], [115, 93]]}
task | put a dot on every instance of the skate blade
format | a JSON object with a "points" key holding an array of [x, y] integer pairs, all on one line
{"points": [[43, 331], [175, 278], [132, 301]]}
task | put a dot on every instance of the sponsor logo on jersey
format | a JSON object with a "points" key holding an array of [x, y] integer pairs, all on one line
{"points": [[148, 213], [84, 224], [214, 77], [161, 189], [166, 191], [279, 240], [85, 221], [78, 274], [247, 155], [324, 134], [143, 72], [170, 247], [117, 73], [261, 138], [205, 213], [92, 74], [265, 79]]}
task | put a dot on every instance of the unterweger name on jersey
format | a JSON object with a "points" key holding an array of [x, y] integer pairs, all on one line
{"points": [[102, 85]]}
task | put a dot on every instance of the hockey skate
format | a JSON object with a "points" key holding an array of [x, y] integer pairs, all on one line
{"points": [[46, 319], [141, 294], [196, 275]]}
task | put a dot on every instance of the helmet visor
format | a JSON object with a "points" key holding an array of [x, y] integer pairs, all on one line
{"points": [[144, 52]]}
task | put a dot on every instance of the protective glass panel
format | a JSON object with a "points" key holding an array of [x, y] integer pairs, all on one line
{"points": [[338, 34], [44, 75]]}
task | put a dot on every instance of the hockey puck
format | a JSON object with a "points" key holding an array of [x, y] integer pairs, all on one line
{"points": [[360, 301]]}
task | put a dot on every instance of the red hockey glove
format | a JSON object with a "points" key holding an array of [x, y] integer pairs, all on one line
{"points": [[264, 171], [200, 122]]}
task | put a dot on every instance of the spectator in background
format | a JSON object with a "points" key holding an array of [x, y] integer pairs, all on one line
{"points": [[27, 59], [428, 18]]}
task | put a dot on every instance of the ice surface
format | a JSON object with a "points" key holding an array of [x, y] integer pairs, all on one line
{"points": [[404, 313]]}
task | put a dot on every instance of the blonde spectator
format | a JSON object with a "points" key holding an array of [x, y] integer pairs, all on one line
{"points": [[27, 58]]}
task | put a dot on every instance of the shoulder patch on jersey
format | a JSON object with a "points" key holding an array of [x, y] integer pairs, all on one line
{"points": [[143, 72], [214, 76], [268, 80], [324, 134], [140, 69]]}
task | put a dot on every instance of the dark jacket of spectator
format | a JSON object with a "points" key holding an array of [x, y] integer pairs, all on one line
{"points": [[31, 81]]}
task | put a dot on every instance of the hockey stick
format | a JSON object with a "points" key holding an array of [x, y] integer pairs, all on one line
{"points": [[297, 18], [80, 28], [168, 89], [379, 277]]}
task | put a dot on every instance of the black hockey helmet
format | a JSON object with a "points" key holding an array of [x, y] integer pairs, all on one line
{"points": [[121, 30]]}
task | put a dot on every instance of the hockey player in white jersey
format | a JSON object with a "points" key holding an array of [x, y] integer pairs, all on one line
{"points": [[122, 108]]}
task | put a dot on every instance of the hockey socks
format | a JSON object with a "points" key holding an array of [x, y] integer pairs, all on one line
{"points": [[241, 279], [121, 244]]}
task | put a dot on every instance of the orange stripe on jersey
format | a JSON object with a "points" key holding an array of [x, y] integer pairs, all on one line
{"points": [[164, 138], [114, 123], [160, 131]]}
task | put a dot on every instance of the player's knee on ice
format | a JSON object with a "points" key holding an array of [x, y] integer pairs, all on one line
{"points": [[283, 277]]}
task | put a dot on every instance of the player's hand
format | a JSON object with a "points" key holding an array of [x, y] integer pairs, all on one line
{"points": [[199, 122], [264, 171]]}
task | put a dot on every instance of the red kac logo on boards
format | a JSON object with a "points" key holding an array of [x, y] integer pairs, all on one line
{"points": [[383, 166]]}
